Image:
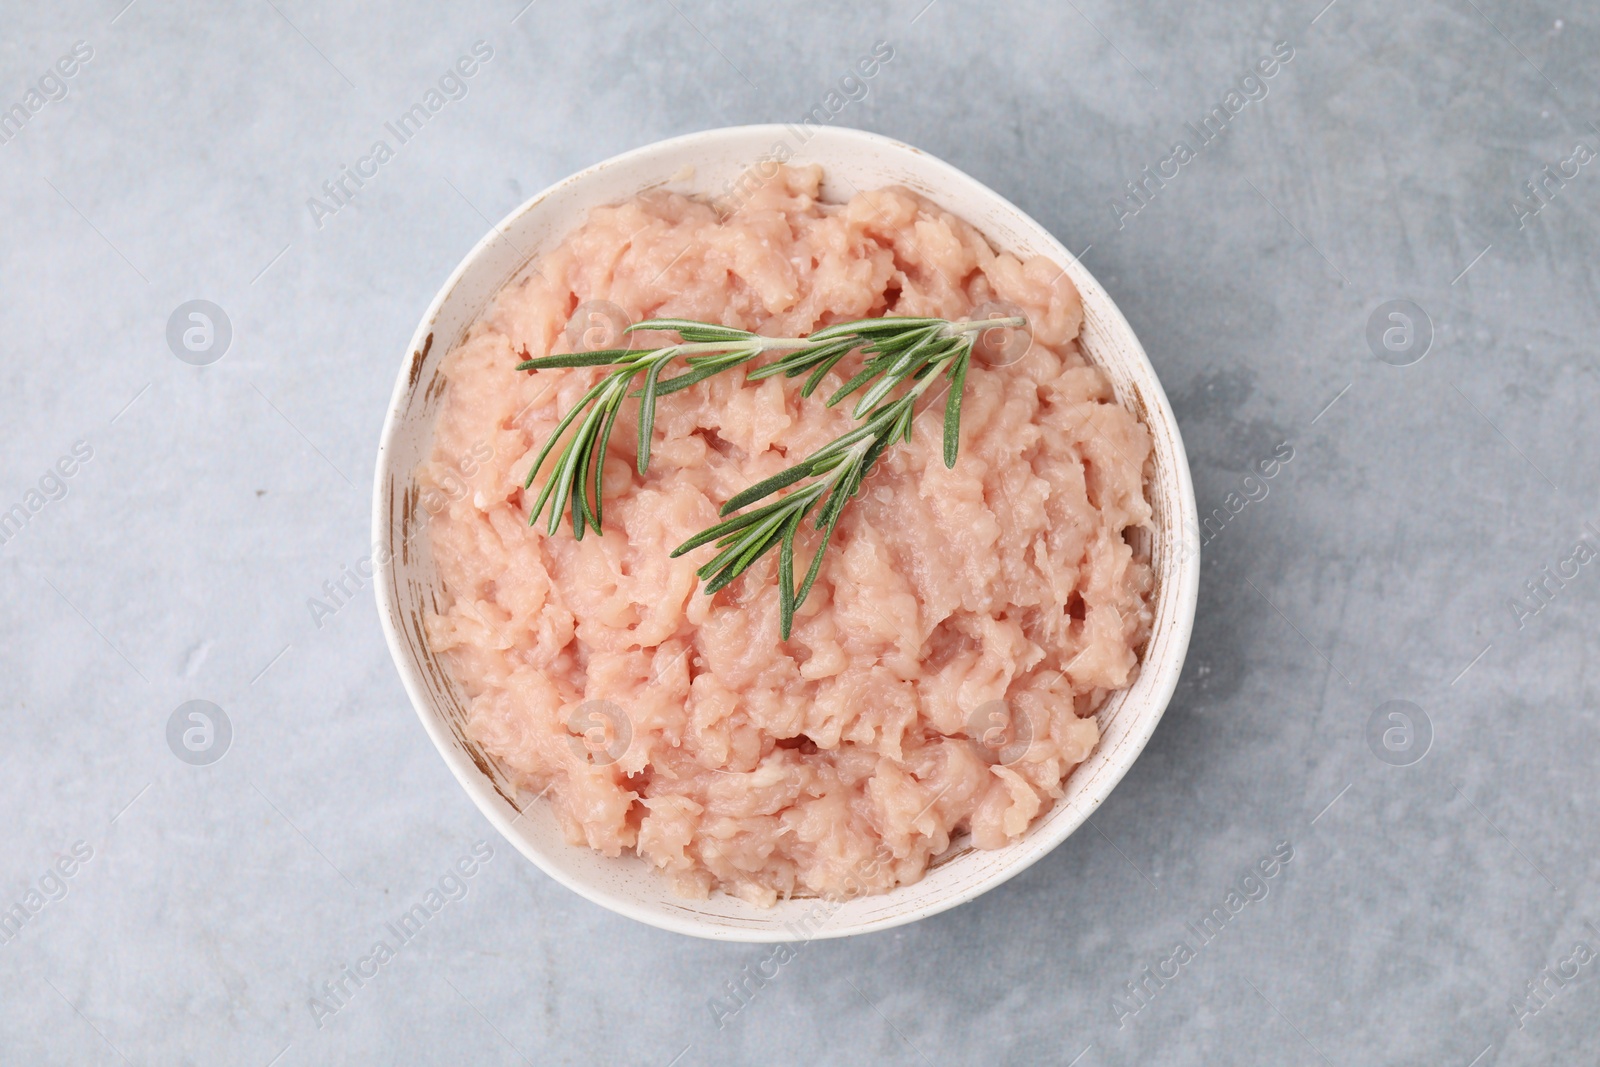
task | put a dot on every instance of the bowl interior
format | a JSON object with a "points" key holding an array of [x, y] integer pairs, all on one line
{"points": [[407, 587]]}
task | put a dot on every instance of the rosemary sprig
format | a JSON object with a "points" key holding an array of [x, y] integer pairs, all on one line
{"points": [[919, 351]]}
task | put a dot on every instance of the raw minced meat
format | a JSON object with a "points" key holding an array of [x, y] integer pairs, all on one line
{"points": [[846, 758]]}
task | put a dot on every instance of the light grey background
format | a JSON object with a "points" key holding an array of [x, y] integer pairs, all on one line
{"points": [[1383, 163]]}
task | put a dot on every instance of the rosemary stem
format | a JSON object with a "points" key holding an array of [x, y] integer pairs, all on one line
{"points": [[771, 344], [935, 374], [764, 344], [979, 325]]}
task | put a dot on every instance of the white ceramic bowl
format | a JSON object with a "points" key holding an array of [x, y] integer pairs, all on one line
{"points": [[408, 583]]}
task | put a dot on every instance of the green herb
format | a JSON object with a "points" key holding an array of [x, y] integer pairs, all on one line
{"points": [[918, 351], [575, 480]]}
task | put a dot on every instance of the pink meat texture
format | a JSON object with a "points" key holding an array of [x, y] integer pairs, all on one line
{"points": [[846, 759]]}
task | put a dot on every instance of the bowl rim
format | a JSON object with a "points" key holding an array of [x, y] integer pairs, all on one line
{"points": [[1183, 585]]}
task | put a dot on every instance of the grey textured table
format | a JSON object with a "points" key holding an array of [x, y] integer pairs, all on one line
{"points": [[1438, 901]]}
